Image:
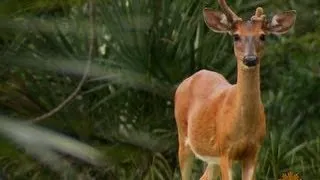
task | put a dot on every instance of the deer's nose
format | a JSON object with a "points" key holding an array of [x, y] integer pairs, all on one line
{"points": [[250, 60]]}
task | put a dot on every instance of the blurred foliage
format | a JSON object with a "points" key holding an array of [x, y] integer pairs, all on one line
{"points": [[125, 109], [37, 7]]}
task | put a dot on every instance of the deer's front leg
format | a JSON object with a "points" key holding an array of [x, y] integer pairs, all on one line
{"points": [[249, 167], [226, 168], [211, 173]]}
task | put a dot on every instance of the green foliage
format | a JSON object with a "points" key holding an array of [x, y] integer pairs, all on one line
{"points": [[125, 109]]}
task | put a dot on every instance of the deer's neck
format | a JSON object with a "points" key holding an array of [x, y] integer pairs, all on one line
{"points": [[248, 97]]}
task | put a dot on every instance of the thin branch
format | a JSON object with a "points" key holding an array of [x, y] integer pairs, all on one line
{"points": [[85, 73]]}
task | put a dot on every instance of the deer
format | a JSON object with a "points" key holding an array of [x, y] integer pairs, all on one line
{"points": [[222, 123]]}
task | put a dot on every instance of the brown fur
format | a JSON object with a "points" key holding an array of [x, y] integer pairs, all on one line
{"points": [[223, 121], [219, 122], [220, 119]]}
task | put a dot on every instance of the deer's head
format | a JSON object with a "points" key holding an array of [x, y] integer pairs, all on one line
{"points": [[249, 36]]}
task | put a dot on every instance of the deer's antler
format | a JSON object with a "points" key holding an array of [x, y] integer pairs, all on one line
{"points": [[259, 15], [232, 17]]}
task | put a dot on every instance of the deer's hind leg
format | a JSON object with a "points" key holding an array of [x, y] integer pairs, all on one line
{"points": [[186, 158]]}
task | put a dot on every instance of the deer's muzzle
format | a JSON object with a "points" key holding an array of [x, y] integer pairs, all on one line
{"points": [[250, 61]]}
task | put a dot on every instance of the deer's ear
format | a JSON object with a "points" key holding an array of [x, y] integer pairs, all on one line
{"points": [[216, 21], [282, 22]]}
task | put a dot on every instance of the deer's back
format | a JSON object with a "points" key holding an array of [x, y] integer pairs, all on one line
{"points": [[194, 91]]}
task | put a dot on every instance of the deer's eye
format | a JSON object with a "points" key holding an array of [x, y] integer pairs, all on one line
{"points": [[262, 37], [236, 37]]}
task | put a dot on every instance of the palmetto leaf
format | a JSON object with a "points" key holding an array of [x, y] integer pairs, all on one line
{"points": [[47, 146]]}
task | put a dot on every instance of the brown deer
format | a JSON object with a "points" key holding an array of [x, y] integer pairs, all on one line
{"points": [[220, 123]]}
